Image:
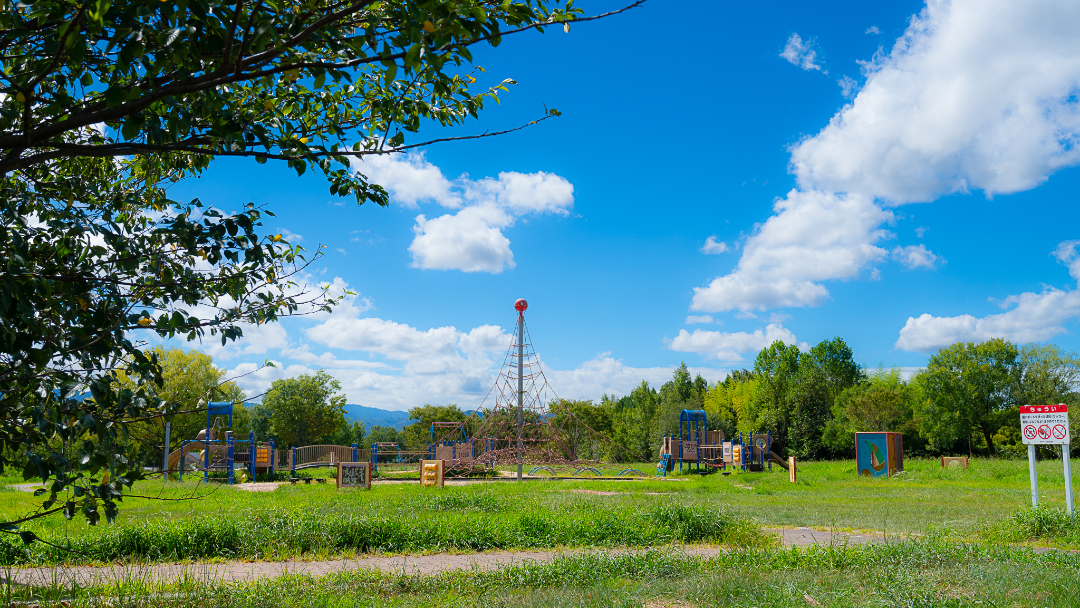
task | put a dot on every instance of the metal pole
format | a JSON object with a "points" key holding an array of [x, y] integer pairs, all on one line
{"points": [[1068, 478], [521, 393], [1034, 476], [165, 463]]}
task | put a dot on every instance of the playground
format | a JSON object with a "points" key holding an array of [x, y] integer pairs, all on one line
{"points": [[522, 492]]}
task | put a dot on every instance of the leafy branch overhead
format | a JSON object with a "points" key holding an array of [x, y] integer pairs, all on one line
{"points": [[310, 83], [104, 105]]}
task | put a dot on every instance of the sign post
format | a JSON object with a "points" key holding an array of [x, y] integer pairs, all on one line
{"points": [[1047, 425]]}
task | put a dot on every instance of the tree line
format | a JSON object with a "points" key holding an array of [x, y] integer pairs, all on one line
{"points": [[965, 400]]}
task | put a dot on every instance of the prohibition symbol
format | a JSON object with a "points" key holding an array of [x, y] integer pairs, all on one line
{"points": [[1029, 431], [1059, 431], [1044, 431]]}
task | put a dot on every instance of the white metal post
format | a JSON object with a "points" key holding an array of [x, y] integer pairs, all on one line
{"points": [[521, 393], [1068, 478], [1034, 476], [165, 463]]}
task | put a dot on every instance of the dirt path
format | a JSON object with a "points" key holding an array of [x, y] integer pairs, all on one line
{"points": [[406, 564]]}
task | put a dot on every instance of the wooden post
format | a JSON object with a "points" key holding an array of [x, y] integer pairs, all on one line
{"points": [[791, 470]]}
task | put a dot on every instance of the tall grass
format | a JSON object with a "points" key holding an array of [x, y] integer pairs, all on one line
{"points": [[926, 572], [484, 523]]}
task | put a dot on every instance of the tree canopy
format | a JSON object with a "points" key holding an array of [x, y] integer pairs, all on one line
{"points": [[104, 104], [305, 409]]}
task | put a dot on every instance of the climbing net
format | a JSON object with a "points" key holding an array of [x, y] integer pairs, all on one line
{"points": [[553, 437]]}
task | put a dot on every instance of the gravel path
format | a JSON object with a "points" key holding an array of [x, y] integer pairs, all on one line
{"points": [[407, 564]]}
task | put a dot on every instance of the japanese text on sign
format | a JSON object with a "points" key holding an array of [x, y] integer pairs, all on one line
{"points": [[1044, 424]]}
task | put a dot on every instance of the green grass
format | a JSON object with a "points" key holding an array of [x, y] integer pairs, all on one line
{"points": [[985, 502], [929, 572], [320, 521]]}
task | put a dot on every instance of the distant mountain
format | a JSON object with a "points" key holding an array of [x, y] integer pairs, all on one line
{"points": [[373, 416]]}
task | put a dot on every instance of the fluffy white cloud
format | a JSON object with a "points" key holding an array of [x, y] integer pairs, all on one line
{"points": [[471, 239], [605, 375], [814, 236], [916, 256], [975, 95], [1067, 255], [848, 86], [1035, 317], [730, 346], [712, 246], [409, 178], [800, 53]]}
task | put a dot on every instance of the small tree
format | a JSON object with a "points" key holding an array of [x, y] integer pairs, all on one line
{"points": [[189, 378], [415, 435], [305, 409], [968, 388], [381, 434]]}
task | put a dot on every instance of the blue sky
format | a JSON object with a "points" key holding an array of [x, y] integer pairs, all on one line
{"points": [[901, 175]]}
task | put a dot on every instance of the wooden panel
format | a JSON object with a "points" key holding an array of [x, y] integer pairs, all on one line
{"points": [[689, 450]]}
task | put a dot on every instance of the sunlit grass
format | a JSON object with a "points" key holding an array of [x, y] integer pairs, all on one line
{"points": [[318, 520], [933, 571]]}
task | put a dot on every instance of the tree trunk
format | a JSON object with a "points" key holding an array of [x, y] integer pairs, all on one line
{"points": [[989, 439]]}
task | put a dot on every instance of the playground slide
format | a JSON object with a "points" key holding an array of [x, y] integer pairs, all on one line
{"points": [[778, 460], [174, 458]]}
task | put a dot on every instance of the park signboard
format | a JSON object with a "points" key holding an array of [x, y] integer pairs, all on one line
{"points": [[354, 475], [1044, 424], [1047, 425]]}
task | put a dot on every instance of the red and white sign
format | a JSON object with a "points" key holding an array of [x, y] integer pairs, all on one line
{"points": [[1044, 424]]}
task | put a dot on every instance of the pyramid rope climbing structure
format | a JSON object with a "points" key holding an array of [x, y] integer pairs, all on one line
{"points": [[523, 423]]}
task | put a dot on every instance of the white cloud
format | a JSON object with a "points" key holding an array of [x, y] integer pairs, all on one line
{"points": [[848, 86], [730, 346], [873, 29], [1035, 317], [409, 178], [800, 53], [290, 236], [814, 236], [606, 375], [1066, 254], [257, 340], [976, 95], [692, 319], [472, 239], [916, 256], [711, 246]]}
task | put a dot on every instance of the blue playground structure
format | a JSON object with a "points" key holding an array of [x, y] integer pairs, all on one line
{"points": [[220, 450], [696, 445]]}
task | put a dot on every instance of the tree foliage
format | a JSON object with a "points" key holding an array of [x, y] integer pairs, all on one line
{"points": [[969, 388], [305, 409], [104, 104], [188, 379], [415, 435]]}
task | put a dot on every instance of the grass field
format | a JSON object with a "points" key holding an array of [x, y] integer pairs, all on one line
{"points": [[922, 573], [970, 526]]}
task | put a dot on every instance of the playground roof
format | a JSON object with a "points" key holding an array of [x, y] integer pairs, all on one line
{"points": [[692, 416]]}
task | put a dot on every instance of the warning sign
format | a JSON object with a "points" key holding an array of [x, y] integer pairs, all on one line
{"points": [[1044, 424]]}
